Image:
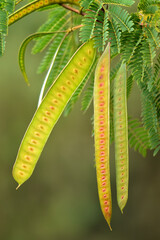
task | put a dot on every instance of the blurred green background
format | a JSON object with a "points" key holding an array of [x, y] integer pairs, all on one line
{"points": [[60, 201]]}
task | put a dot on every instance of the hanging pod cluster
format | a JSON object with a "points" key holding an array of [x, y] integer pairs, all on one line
{"points": [[52, 107], [102, 133]]}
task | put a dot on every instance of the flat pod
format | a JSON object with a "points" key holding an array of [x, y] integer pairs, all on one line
{"points": [[34, 6], [121, 136], [50, 110], [102, 132]]}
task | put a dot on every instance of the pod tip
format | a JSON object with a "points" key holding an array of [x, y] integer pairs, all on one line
{"points": [[110, 227], [18, 186]]}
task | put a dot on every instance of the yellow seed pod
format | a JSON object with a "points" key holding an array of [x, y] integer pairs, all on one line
{"points": [[50, 110], [102, 132], [121, 136]]}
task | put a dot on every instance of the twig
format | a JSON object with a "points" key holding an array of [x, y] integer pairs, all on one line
{"points": [[73, 9]]}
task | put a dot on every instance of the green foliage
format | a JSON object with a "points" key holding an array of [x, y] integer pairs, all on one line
{"points": [[115, 35], [59, 21], [46, 60], [156, 76], [114, 70], [151, 105], [62, 58], [122, 18], [148, 53], [148, 6], [90, 22], [88, 96], [101, 30], [139, 50], [86, 3], [51, 25], [149, 12], [151, 122], [135, 39], [6, 7], [132, 41], [2, 44], [102, 22], [138, 136], [125, 3], [3, 22]]}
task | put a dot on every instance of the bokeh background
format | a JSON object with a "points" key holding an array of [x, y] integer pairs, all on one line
{"points": [[60, 200]]}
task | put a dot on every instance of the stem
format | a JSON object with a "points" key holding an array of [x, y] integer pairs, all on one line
{"points": [[76, 27], [72, 9], [17, 2]]}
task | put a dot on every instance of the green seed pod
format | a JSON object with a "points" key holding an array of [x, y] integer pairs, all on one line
{"points": [[121, 136], [50, 110], [34, 6], [102, 132]]}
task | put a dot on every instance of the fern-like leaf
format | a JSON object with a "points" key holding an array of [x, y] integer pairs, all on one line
{"points": [[101, 30], [3, 22], [129, 85], [126, 3], [88, 96], [114, 70], [6, 7], [157, 71], [136, 65], [49, 70], [138, 136], [62, 26], [148, 53], [115, 36], [152, 36], [45, 62], [9, 6], [89, 22], [86, 3], [51, 25], [148, 6], [149, 116], [2, 44], [129, 43], [122, 18], [62, 58]]}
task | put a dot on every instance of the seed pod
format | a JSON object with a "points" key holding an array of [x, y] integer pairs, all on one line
{"points": [[50, 110], [121, 136], [102, 132], [34, 6]]}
